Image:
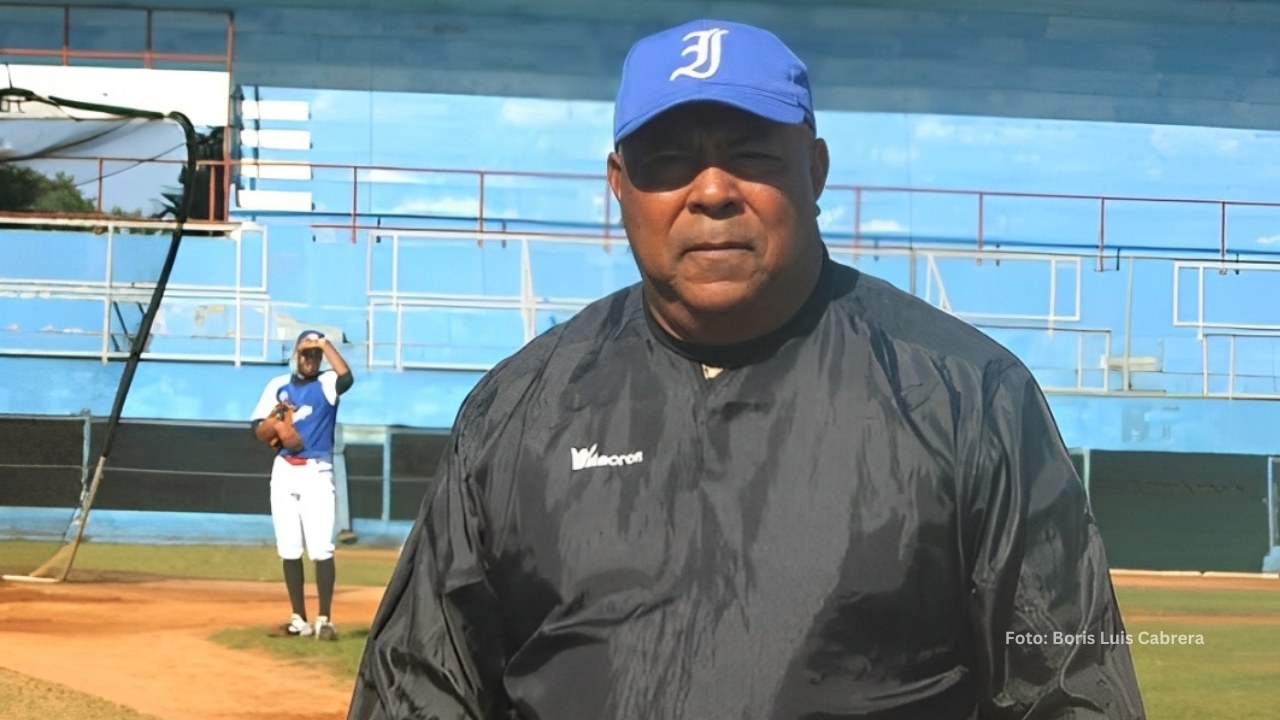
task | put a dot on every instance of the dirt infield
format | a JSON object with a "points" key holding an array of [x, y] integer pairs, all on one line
{"points": [[144, 644]]}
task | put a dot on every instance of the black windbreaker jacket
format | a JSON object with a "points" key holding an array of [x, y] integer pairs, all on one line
{"points": [[869, 514]]}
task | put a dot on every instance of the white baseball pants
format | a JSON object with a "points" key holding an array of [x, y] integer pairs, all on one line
{"points": [[303, 509]]}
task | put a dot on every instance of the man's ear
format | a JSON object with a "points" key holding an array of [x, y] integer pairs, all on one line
{"points": [[819, 167], [614, 170]]}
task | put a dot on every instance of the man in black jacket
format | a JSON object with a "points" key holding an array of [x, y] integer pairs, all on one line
{"points": [[758, 484]]}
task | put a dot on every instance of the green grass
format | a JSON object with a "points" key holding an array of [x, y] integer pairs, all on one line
{"points": [[22, 556], [356, 565], [1232, 675], [340, 658], [1161, 601]]}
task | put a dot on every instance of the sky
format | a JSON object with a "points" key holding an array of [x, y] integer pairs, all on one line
{"points": [[400, 131], [428, 149], [868, 149]]}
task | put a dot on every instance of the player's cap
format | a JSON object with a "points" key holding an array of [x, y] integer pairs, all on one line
{"points": [[308, 335], [710, 60]]}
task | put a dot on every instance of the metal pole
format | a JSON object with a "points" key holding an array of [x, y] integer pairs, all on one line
{"points": [[371, 240], [106, 309], [1102, 231], [981, 224], [386, 476], [1272, 510], [857, 221], [100, 179], [528, 304], [1231, 365], [268, 317], [340, 488], [1128, 331], [146, 54], [913, 267], [1204, 365], [86, 451], [355, 201], [1053, 294], [480, 214], [239, 240], [66, 35], [1079, 361], [399, 336], [395, 301], [1204, 339]]}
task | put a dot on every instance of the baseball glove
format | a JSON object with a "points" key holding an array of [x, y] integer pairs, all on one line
{"points": [[283, 413]]}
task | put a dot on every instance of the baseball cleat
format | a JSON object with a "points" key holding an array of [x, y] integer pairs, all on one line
{"points": [[297, 627], [325, 629]]}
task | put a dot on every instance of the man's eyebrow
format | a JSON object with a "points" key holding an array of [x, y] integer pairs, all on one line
{"points": [[729, 135], [665, 142], [750, 137]]}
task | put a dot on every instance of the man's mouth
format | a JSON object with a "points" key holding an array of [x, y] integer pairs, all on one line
{"points": [[719, 249]]}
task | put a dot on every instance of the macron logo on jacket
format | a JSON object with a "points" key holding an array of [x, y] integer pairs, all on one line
{"points": [[583, 458]]}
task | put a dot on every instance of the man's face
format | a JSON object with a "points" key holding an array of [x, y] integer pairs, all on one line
{"points": [[309, 361], [718, 204]]}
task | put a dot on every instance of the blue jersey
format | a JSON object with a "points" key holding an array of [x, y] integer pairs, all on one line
{"points": [[315, 411]]}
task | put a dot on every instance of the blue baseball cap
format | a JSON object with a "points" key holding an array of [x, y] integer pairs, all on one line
{"points": [[715, 61], [307, 335]]}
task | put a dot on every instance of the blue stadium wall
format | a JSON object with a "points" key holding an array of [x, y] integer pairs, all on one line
{"points": [[1181, 62], [430, 399], [1211, 64]]}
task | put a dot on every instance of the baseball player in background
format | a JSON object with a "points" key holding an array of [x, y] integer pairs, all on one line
{"points": [[297, 415]]}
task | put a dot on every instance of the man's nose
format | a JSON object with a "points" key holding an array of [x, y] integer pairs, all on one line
{"points": [[715, 193]]}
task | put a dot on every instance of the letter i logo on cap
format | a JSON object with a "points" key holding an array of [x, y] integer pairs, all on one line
{"points": [[707, 48]]}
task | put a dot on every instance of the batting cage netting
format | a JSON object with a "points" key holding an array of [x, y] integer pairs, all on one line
{"points": [[93, 204]]}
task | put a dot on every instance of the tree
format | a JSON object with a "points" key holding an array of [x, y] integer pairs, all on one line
{"points": [[208, 180], [25, 190]]}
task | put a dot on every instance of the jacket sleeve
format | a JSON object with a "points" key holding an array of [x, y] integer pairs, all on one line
{"points": [[1048, 630], [435, 647]]}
